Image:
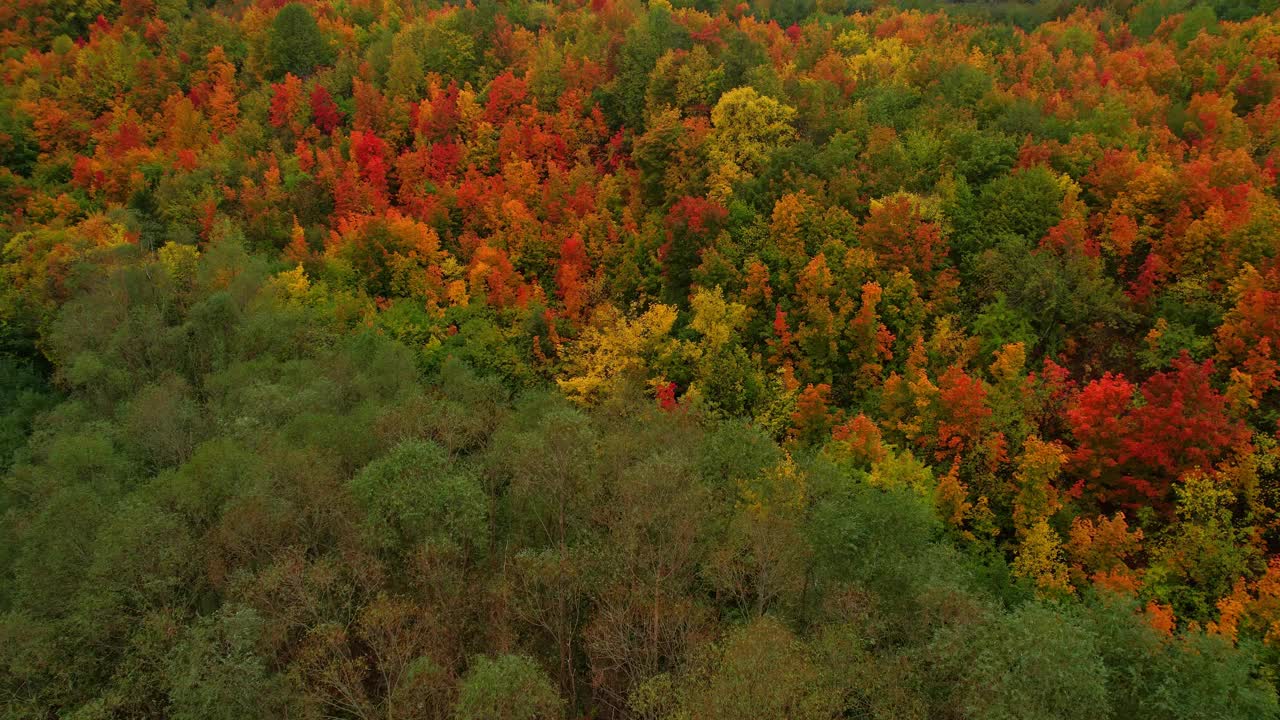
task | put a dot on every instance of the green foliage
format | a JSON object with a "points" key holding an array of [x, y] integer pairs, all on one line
{"points": [[1034, 662], [1024, 203], [296, 44], [1201, 555], [23, 395], [218, 672], [1151, 675], [759, 670], [509, 687], [20, 151], [412, 496], [1054, 294], [645, 43]]}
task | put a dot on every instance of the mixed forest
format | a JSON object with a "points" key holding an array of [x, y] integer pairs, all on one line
{"points": [[667, 360]]}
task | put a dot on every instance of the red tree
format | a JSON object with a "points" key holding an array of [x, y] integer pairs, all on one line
{"points": [[324, 112], [505, 92], [1130, 453]]}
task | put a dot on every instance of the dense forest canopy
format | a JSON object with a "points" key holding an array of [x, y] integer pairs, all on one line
{"points": [[669, 360]]}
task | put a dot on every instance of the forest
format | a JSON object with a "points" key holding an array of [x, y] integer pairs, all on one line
{"points": [[639, 359]]}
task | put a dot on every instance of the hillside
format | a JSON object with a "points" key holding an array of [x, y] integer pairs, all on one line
{"points": [[669, 360]]}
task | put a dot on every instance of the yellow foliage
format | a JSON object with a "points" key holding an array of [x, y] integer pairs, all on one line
{"points": [[179, 261], [747, 126], [883, 60], [1038, 468], [456, 293], [294, 283], [852, 42], [929, 207], [1039, 559], [902, 470], [1203, 498], [782, 489], [715, 318], [785, 226], [1010, 361], [953, 498], [611, 347]]}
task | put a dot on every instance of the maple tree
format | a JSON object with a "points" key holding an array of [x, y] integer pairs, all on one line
{"points": [[1131, 453]]}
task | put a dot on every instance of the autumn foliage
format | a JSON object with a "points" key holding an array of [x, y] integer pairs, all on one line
{"points": [[625, 359]]}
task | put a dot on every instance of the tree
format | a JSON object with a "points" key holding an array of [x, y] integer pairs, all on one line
{"points": [[324, 112], [509, 687], [1039, 560], [506, 92], [295, 43], [1188, 675], [411, 497], [760, 670], [1034, 662], [902, 235], [218, 671], [389, 255], [285, 103], [691, 225], [747, 127], [1130, 454], [657, 526], [613, 348], [1025, 203], [388, 661], [762, 561], [1199, 558], [645, 42]]}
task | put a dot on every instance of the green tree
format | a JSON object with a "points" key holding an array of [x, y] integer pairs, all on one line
{"points": [[414, 495], [218, 672], [759, 670], [508, 687], [295, 43], [1152, 675], [646, 41], [1032, 663]]}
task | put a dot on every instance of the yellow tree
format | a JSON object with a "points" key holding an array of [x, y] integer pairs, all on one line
{"points": [[1039, 556], [746, 127], [612, 348]]}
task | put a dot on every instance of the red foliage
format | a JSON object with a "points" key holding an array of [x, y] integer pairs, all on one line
{"points": [[324, 112], [1100, 423], [437, 116], [860, 439], [899, 234], [1183, 422], [127, 137], [505, 92], [1250, 333], [667, 397], [284, 100], [780, 343], [813, 419], [370, 153], [963, 412], [691, 223], [697, 215], [493, 275], [84, 174], [1130, 453], [187, 159], [573, 268], [442, 160]]}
